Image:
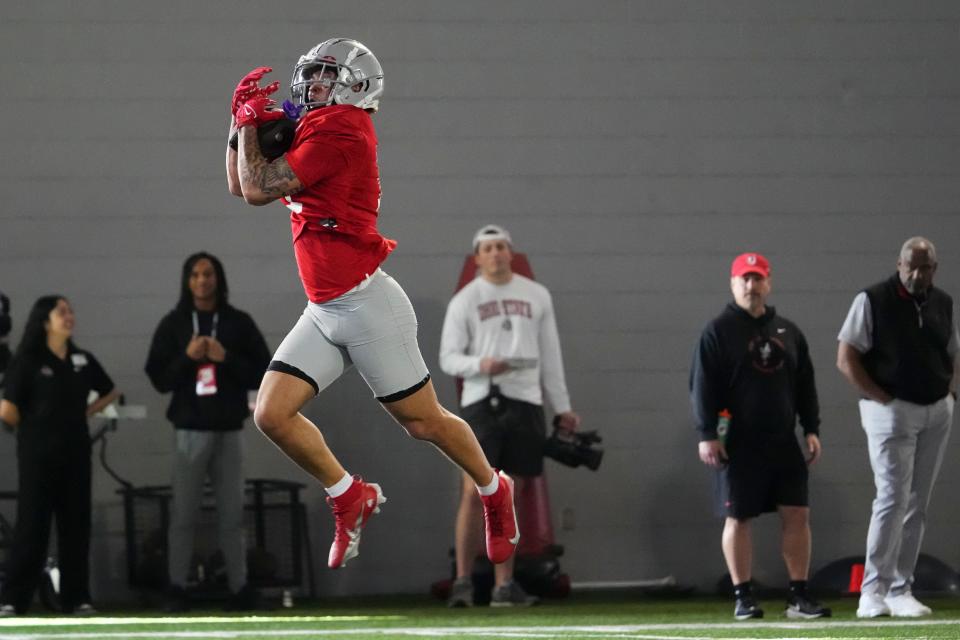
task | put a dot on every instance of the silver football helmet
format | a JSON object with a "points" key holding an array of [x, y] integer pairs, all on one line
{"points": [[358, 76]]}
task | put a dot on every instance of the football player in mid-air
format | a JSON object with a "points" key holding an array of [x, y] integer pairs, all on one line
{"points": [[356, 315]]}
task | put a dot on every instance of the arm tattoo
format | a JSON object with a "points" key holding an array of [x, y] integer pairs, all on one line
{"points": [[274, 179]]}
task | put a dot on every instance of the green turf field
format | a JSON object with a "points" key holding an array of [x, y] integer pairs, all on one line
{"points": [[580, 616]]}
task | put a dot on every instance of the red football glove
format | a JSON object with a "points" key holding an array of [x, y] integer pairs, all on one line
{"points": [[249, 88], [258, 111]]}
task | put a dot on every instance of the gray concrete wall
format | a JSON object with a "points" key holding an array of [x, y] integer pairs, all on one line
{"points": [[632, 148]]}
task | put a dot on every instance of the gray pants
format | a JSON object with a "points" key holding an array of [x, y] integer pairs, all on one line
{"points": [[219, 455], [906, 443]]}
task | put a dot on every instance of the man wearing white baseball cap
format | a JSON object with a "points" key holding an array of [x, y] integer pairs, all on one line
{"points": [[500, 336]]}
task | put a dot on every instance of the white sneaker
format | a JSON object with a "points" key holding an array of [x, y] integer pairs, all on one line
{"points": [[872, 605], [906, 606]]}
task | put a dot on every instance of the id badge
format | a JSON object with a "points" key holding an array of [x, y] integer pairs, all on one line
{"points": [[207, 379]]}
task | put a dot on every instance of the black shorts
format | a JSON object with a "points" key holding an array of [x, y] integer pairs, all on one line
{"points": [[513, 437], [758, 480]]}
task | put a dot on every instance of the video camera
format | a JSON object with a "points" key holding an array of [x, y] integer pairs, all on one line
{"points": [[574, 448]]}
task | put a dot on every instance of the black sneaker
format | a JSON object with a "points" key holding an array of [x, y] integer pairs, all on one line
{"points": [[805, 608], [747, 608], [246, 599]]}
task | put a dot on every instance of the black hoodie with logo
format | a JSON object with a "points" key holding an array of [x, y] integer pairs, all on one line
{"points": [[760, 370]]}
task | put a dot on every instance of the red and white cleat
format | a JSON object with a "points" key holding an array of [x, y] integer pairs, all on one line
{"points": [[351, 512], [500, 517]]}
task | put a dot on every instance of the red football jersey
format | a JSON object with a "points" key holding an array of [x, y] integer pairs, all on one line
{"points": [[334, 217]]}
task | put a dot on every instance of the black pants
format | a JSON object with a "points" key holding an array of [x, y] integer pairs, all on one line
{"points": [[51, 484]]}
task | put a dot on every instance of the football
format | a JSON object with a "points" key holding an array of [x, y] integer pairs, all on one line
{"points": [[275, 137]]}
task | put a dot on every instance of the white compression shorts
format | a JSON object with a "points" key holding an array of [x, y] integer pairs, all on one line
{"points": [[372, 327]]}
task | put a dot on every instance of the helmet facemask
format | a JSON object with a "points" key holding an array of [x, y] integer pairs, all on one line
{"points": [[311, 75]]}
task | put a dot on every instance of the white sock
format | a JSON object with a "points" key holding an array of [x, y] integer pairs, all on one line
{"points": [[340, 487], [491, 488]]}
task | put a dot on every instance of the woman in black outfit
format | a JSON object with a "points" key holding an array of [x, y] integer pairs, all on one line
{"points": [[45, 400]]}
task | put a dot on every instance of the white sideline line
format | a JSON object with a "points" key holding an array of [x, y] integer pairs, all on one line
{"points": [[605, 628], [422, 632], [106, 621], [425, 632], [435, 632], [638, 631]]}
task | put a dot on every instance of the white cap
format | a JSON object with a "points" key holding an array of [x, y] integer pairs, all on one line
{"points": [[491, 232]]}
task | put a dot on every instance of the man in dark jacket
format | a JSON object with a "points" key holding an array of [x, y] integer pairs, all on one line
{"points": [[751, 378], [209, 355], [898, 348]]}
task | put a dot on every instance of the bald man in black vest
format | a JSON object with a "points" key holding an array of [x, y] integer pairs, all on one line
{"points": [[898, 349]]}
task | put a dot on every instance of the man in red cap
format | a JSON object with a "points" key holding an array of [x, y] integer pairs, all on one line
{"points": [[750, 380]]}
